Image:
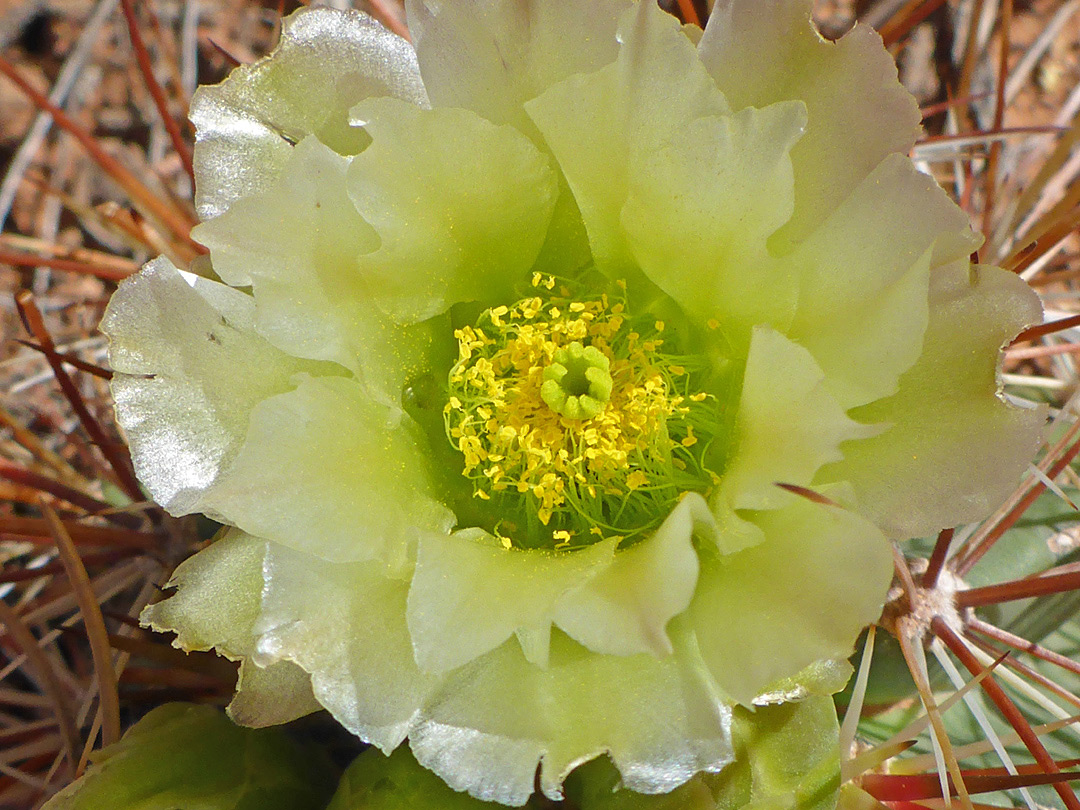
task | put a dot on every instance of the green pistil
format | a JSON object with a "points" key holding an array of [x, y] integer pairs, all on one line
{"points": [[578, 382]]}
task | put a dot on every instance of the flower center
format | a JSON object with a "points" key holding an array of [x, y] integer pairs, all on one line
{"points": [[572, 421], [578, 382]]}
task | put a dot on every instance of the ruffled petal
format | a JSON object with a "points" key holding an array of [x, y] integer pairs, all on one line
{"points": [[626, 608], [461, 207], [298, 244], [601, 124], [788, 425], [803, 594], [701, 209], [786, 758], [483, 727], [216, 604], [326, 62], [175, 349], [761, 53], [492, 56], [347, 474], [662, 724], [270, 696], [954, 448], [864, 276], [345, 624], [217, 599], [660, 720], [469, 595]]}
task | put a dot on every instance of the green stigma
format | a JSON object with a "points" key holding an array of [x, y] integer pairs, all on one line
{"points": [[578, 382]]}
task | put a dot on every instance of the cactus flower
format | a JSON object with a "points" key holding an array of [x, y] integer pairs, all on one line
{"points": [[564, 378]]}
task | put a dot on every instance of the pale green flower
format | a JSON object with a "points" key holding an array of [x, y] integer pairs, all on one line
{"points": [[453, 525]]}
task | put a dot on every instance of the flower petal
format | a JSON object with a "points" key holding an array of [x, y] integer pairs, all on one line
{"points": [[788, 425], [485, 726], [345, 624], [488, 727], [327, 61], [701, 209], [298, 243], [601, 124], [492, 56], [461, 206], [216, 605], [786, 757], [761, 53], [347, 475], [270, 696], [864, 276], [469, 595], [626, 608], [954, 449], [218, 593], [803, 594], [175, 349]]}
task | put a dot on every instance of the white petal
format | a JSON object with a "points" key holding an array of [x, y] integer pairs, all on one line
{"points": [[327, 470], [626, 608], [488, 727], [801, 595], [788, 425], [864, 276], [184, 408], [954, 448], [491, 56], [599, 125], [327, 61], [469, 594], [298, 244], [460, 205], [345, 624], [763, 52]]}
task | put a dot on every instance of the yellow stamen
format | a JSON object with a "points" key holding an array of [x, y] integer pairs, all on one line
{"points": [[510, 412]]}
